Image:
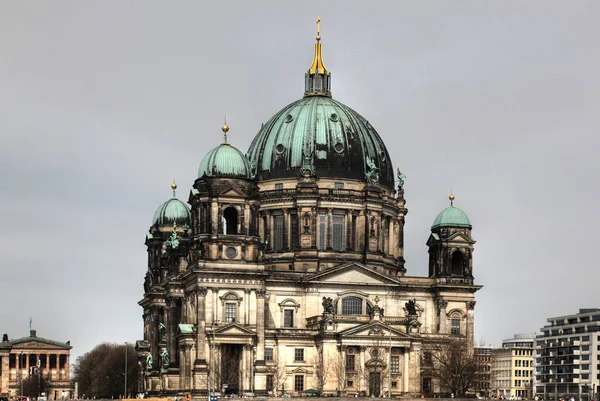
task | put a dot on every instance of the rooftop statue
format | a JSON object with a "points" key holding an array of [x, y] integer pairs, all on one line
{"points": [[411, 307], [401, 177], [149, 361], [327, 305], [372, 174]]}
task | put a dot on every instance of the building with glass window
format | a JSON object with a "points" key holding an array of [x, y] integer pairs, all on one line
{"points": [[285, 270], [567, 354], [513, 367]]}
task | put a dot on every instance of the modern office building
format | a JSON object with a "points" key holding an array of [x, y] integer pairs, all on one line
{"points": [[567, 356], [485, 359], [512, 367]]}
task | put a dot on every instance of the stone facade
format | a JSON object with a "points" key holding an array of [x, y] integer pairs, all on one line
{"points": [[290, 276], [24, 357]]}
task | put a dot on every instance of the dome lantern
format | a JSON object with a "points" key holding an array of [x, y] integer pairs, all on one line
{"points": [[225, 161], [172, 212], [318, 77]]}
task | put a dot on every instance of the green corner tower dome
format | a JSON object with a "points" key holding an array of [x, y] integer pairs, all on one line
{"points": [[225, 161], [451, 217], [320, 136], [172, 212]]}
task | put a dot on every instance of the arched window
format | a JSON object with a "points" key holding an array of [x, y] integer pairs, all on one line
{"points": [[352, 306], [457, 263], [230, 221]]}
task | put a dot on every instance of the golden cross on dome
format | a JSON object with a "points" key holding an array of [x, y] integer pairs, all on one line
{"points": [[318, 28]]}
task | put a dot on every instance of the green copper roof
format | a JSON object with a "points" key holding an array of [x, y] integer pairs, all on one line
{"points": [[323, 136], [171, 211], [186, 328], [451, 217], [225, 161]]}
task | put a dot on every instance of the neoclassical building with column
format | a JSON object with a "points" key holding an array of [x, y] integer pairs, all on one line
{"points": [[285, 270], [25, 357]]}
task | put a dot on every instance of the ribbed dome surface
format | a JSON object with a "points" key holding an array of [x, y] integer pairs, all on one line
{"points": [[323, 133], [225, 161], [171, 211], [451, 217]]}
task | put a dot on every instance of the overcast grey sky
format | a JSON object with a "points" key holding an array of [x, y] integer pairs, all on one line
{"points": [[102, 103]]}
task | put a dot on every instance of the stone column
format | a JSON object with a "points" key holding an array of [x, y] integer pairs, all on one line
{"points": [[246, 306], [171, 329], [247, 219], [252, 302], [270, 229], [260, 324], [214, 217], [390, 243], [67, 368], [380, 232], [361, 222], [406, 372], [361, 360], [286, 229], [348, 229], [261, 225], [201, 324], [329, 229], [215, 292], [315, 227]]}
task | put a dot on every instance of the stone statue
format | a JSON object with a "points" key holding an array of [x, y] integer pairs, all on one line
{"points": [[172, 242], [161, 331], [149, 361], [327, 305], [372, 174], [411, 307], [401, 177], [4, 338], [164, 354], [147, 282]]}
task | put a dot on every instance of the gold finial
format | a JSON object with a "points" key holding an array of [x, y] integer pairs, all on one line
{"points": [[318, 28], [173, 187], [225, 129], [451, 197]]}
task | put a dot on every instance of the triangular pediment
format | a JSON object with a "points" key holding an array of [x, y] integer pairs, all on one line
{"points": [[234, 329], [38, 343], [460, 237], [231, 191], [351, 273], [375, 329]]}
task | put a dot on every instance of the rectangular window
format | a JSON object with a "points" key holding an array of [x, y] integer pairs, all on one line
{"points": [[339, 185], [585, 347], [585, 357], [322, 230], [455, 326], [269, 382], [268, 354], [278, 234], [288, 318], [338, 232], [350, 383], [350, 363], [279, 186], [585, 338], [395, 364], [299, 355], [294, 231], [298, 383], [230, 312]]}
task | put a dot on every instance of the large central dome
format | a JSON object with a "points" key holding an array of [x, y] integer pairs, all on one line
{"points": [[320, 136]]}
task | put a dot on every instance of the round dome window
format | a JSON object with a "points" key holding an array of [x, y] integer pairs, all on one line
{"points": [[288, 118], [338, 147], [382, 155], [334, 117], [279, 149]]}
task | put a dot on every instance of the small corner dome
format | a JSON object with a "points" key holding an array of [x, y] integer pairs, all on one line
{"points": [[225, 161], [173, 211], [452, 217]]}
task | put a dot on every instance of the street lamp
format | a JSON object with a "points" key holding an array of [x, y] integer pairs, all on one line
{"points": [[125, 393]]}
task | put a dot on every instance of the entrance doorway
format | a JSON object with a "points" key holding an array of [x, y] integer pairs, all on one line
{"points": [[231, 358], [375, 384]]}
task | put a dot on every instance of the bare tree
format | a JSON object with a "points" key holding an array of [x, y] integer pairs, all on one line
{"points": [[454, 366], [324, 371], [276, 369], [338, 370]]}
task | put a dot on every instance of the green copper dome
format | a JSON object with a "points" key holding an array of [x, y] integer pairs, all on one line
{"points": [[173, 211], [451, 217], [324, 137], [225, 161]]}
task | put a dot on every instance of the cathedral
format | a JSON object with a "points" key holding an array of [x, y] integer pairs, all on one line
{"points": [[284, 273]]}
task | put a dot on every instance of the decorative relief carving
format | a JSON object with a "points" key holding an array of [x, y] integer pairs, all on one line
{"points": [[471, 305]]}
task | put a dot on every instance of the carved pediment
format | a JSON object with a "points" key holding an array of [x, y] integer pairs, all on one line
{"points": [[375, 330], [38, 344], [461, 237], [234, 329], [351, 273], [231, 191]]}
